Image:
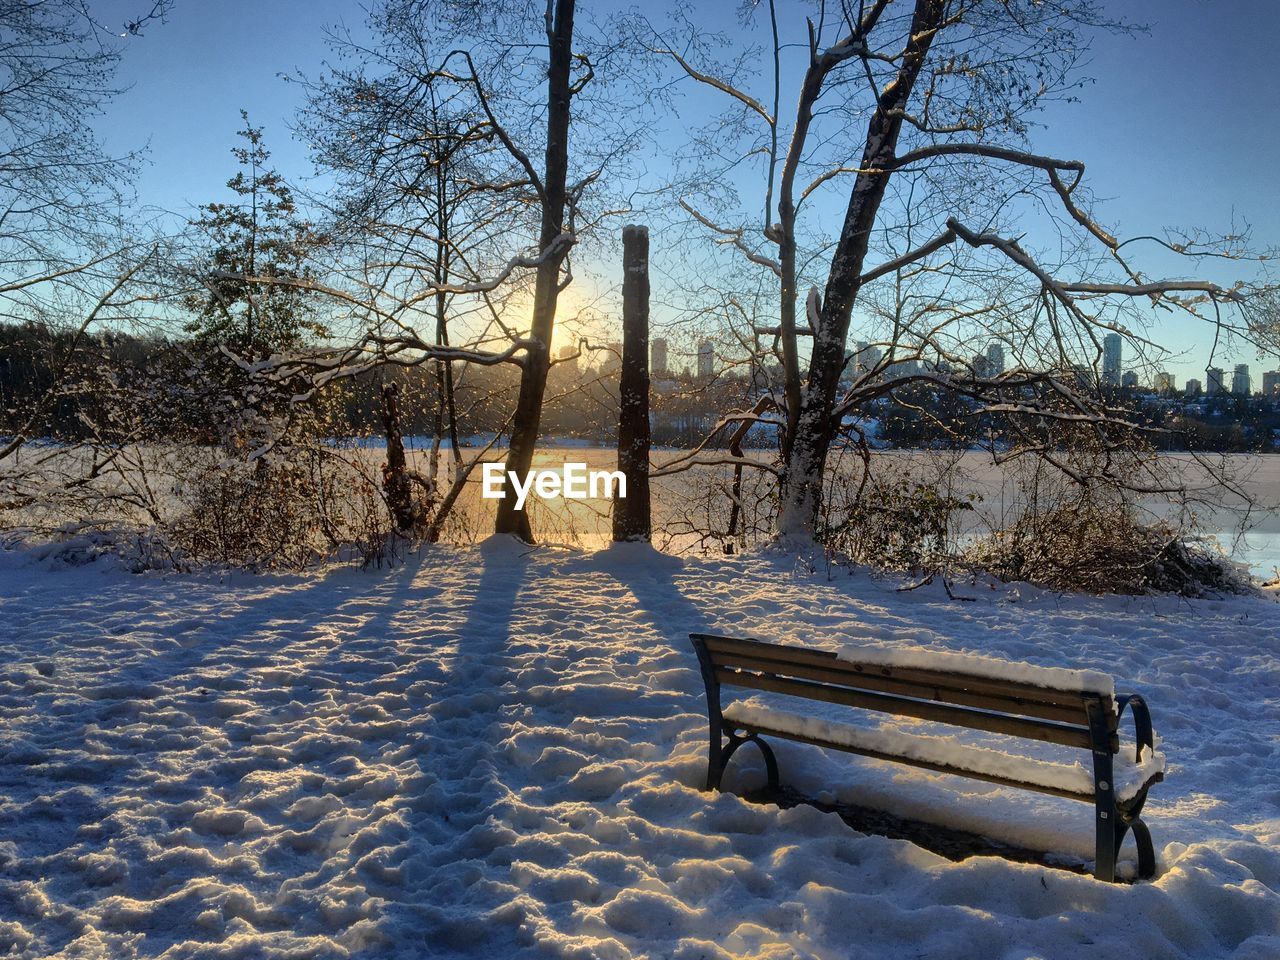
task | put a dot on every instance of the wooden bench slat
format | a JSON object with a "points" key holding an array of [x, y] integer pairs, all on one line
{"points": [[1044, 730], [911, 761], [926, 677], [839, 673], [952, 681]]}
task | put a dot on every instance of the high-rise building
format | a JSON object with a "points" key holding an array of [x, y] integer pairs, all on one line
{"points": [[995, 360], [1194, 388], [906, 368], [1214, 381], [981, 366], [569, 360], [1129, 379], [1164, 382], [1271, 384], [866, 357], [1111, 359], [706, 360], [1240, 385], [658, 357], [612, 362]]}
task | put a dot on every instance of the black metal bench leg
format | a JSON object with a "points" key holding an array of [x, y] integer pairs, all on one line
{"points": [[1132, 816], [1141, 840], [1107, 844], [721, 755], [1108, 825], [770, 762], [1146, 852], [715, 757]]}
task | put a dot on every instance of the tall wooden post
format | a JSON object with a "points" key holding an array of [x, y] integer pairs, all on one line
{"points": [[631, 518]]}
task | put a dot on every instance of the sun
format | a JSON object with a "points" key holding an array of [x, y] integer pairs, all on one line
{"points": [[577, 317]]}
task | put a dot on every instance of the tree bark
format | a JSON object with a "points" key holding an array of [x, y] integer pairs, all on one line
{"points": [[631, 516], [787, 324], [805, 467], [533, 379], [396, 484]]}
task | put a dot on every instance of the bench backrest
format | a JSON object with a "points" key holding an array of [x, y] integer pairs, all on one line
{"points": [[965, 700]]}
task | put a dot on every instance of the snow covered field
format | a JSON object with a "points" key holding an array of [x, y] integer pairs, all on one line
{"points": [[680, 506], [495, 752]]}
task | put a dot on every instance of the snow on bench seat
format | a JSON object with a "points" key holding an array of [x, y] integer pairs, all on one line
{"points": [[1075, 778], [975, 665]]}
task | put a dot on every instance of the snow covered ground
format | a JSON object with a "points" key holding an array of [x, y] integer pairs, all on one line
{"points": [[495, 752]]}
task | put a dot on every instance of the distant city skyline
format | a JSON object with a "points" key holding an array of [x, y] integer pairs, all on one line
{"points": [[189, 78]]}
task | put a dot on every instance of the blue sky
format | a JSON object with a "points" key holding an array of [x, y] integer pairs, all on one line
{"points": [[1182, 127]]}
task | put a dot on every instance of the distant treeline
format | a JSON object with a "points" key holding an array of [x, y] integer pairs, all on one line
{"points": [[64, 386], [67, 387]]}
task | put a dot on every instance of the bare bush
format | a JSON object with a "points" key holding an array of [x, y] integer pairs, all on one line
{"points": [[1099, 544], [896, 523], [261, 515], [1097, 537]]}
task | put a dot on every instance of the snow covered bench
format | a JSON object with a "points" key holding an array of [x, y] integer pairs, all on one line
{"points": [[1074, 708]]}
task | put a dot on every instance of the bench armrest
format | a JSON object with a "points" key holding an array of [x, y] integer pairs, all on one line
{"points": [[707, 667], [1143, 731]]}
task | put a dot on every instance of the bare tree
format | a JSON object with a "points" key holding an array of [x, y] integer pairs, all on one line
{"points": [[64, 256], [444, 141], [939, 169], [426, 201], [58, 188], [553, 189]]}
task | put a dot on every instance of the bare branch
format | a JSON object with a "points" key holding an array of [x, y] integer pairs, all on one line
{"points": [[734, 237], [745, 99]]}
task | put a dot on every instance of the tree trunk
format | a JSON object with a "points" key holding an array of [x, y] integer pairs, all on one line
{"points": [[396, 484], [787, 313], [735, 449], [443, 264], [533, 378], [631, 518], [805, 466]]}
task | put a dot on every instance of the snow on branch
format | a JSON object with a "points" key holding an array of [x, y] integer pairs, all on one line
{"points": [[989, 151], [321, 367], [554, 249], [1062, 291], [944, 239], [745, 99], [734, 237], [744, 421], [1232, 294], [685, 465]]}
